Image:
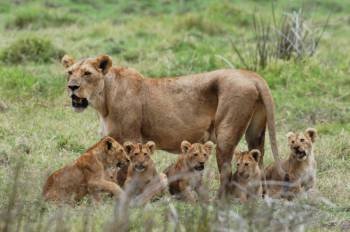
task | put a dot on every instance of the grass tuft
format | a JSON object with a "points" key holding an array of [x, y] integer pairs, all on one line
{"points": [[31, 49]]}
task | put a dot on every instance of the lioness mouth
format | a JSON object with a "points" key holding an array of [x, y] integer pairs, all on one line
{"points": [[78, 102], [300, 154]]}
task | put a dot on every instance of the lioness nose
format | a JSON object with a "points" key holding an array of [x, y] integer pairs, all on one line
{"points": [[73, 87]]}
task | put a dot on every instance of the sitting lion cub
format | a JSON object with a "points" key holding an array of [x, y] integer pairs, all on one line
{"points": [[185, 176], [300, 167], [143, 182], [245, 183], [87, 174]]}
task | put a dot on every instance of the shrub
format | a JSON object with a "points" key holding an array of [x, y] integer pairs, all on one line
{"points": [[37, 18], [33, 49], [289, 38]]}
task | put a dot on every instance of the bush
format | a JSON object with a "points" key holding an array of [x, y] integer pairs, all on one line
{"points": [[31, 49], [37, 18]]}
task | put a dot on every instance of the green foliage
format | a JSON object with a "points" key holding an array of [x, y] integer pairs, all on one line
{"points": [[31, 49]]}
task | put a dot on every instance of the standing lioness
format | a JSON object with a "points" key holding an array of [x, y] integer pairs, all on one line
{"points": [[220, 106]]}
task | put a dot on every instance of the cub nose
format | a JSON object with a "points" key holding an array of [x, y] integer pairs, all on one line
{"points": [[73, 87], [201, 163]]}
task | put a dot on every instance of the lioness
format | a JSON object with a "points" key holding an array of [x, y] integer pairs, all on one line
{"points": [[300, 167], [143, 181], [245, 183], [87, 174], [219, 106], [185, 176]]}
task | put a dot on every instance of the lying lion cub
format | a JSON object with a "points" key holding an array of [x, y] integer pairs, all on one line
{"points": [[185, 176], [245, 183], [300, 167], [87, 174], [143, 182]]}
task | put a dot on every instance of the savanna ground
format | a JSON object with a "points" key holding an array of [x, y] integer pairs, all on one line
{"points": [[39, 132]]}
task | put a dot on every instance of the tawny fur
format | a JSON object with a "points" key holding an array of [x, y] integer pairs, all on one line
{"points": [[143, 182], [185, 176], [220, 106], [300, 167], [87, 175], [245, 183]]}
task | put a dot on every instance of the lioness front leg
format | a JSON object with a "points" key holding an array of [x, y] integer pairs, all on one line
{"points": [[105, 186]]}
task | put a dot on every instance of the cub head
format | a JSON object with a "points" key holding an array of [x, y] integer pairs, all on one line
{"points": [[140, 154], [196, 154], [247, 163], [300, 144], [113, 154], [86, 79]]}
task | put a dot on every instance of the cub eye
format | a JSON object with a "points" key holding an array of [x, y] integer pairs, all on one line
{"points": [[292, 141], [205, 154], [195, 154], [246, 164], [136, 154], [70, 72], [87, 73], [302, 140], [237, 164]]}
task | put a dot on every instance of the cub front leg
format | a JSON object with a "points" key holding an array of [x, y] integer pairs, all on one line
{"points": [[105, 186]]}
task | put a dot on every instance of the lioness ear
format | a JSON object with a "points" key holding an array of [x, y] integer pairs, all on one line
{"points": [[104, 63], [255, 153], [185, 146], [67, 61], [311, 133], [151, 146], [128, 146], [209, 146]]}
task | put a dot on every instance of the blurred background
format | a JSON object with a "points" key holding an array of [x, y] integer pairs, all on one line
{"points": [[300, 47]]}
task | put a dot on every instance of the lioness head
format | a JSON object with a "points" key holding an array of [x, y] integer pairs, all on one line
{"points": [[112, 153], [140, 154], [196, 154], [247, 163], [85, 79], [301, 143]]}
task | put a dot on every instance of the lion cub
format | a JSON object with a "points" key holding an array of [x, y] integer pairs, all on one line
{"points": [[185, 176], [143, 182], [87, 174], [300, 167], [245, 183]]}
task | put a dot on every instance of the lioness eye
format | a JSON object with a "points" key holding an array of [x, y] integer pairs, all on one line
{"points": [[195, 154], [87, 73], [136, 154], [237, 164], [205, 154], [246, 164], [292, 141], [302, 140], [70, 72]]}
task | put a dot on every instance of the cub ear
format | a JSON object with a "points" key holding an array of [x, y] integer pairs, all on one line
{"points": [[185, 146], [311, 133], [128, 146], [104, 63], [151, 146], [209, 146], [67, 61], [237, 155], [108, 142], [290, 134], [255, 153]]}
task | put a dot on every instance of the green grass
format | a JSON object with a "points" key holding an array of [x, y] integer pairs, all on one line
{"points": [[164, 38]]}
